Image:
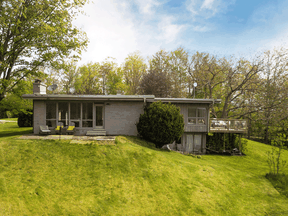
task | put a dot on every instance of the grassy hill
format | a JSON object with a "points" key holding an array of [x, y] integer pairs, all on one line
{"points": [[52, 177]]}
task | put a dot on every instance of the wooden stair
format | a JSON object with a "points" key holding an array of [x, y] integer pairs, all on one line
{"points": [[96, 132]]}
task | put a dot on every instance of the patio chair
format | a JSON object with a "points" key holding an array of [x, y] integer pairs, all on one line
{"points": [[70, 128], [59, 127], [44, 130]]}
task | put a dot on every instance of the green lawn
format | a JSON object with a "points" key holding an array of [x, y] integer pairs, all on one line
{"points": [[52, 177]]}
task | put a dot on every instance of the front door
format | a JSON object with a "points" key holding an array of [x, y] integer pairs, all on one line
{"points": [[99, 117]]}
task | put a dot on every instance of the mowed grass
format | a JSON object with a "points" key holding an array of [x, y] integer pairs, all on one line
{"points": [[52, 177]]}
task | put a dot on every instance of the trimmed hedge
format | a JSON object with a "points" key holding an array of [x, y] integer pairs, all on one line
{"points": [[161, 123], [25, 119]]}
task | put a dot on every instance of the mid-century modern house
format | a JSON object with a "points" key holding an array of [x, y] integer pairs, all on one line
{"points": [[115, 114]]}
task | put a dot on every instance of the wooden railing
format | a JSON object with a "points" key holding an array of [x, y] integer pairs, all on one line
{"points": [[228, 125]]}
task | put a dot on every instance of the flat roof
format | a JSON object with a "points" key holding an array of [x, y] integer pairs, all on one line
{"points": [[88, 97], [184, 100], [148, 98]]}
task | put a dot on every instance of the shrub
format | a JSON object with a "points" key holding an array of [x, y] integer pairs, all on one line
{"points": [[25, 119], [161, 123]]}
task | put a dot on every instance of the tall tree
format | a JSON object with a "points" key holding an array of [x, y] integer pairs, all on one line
{"points": [[178, 63], [36, 33], [273, 92], [155, 83], [88, 81], [134, 69], [68, 76]]}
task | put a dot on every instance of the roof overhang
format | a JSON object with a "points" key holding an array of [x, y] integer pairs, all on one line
{"points": [[102, 98], [88, 97], [184, 100]]}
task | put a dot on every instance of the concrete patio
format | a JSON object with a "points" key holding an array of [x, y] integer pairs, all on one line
{"points": [[68, 137]]}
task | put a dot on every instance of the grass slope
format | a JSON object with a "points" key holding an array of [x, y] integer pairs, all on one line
{"points": [[51, 177]]}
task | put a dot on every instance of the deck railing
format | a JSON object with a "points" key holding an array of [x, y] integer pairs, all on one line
{"points": [[228, 125]]}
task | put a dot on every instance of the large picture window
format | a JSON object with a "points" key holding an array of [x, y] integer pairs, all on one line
{"points": [[196, 116], [51, 114], [87, 115], [63, 115], [71, 113], [75, 113]]}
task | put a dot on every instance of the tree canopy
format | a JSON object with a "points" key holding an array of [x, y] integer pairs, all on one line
{"points": [[36, 33]]}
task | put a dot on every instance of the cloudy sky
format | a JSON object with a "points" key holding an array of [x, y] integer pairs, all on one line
{"points": [[116, 28]]}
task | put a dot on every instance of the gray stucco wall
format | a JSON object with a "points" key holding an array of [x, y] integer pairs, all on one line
{"points": [[39, 115], [120, 117]]}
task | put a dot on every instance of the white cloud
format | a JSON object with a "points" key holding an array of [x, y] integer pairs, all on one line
{"points": [[207, 4], [169, 31], [115, 29], [148, 6], [208, 8], [199, 28], [109, 32]]}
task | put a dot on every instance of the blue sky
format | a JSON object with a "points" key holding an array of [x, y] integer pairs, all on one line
{"points": [[116, 28]]}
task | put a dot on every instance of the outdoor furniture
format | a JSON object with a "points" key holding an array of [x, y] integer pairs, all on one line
{"points": [[44, 130], [58, 128], [70, 128]]}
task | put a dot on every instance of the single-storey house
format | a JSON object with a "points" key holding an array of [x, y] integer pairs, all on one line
{"points": [[115, 114]]}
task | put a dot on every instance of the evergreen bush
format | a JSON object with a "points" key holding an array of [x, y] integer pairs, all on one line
{"points": [[25, 119], [161, 123]]}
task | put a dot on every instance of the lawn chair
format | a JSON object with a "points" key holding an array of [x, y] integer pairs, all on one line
{"points": [[59, 127], [71, 128], [44, 130]]}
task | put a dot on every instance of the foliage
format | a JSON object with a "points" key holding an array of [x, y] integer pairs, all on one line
{"points": [[36, 33], [275, 156], [134, 69], [155, 83], [161, 123], [280, 182], [225, 141], [88, 81], [25, 119], [13, 102]]}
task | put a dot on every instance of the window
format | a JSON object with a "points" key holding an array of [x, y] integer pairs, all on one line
{"points": [[75, 113], [196, 116], [63, 113], [51, 114], [87, 115], [70, 112]]}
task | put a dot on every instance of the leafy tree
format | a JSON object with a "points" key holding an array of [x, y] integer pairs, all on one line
{"points": [[36, 33], [88, 81], [273, 91], [115, 82], [134, 69], [111, 77], [68, 76], [161, 123], [275, 156], [178, 62], [25, 119], [155, 83], [13, 101]]}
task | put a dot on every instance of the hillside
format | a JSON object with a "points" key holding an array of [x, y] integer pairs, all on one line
{"points": [[52, 177]]}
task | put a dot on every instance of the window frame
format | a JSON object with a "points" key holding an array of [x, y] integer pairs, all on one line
{"points": [[197, 117]]}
